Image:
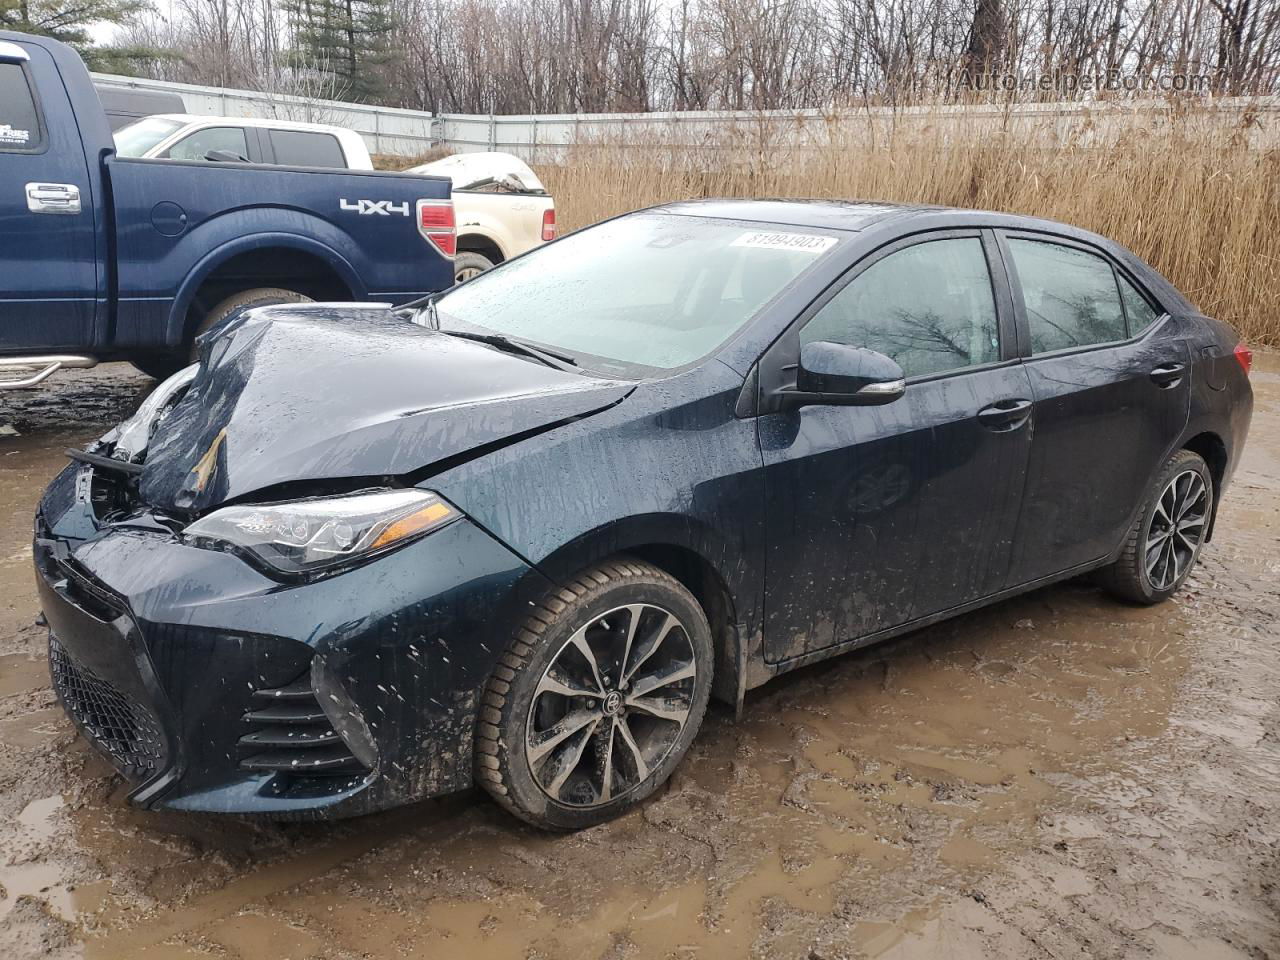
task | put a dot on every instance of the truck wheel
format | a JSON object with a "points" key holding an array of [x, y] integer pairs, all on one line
{"points": [[161, 365], [468, 265]]}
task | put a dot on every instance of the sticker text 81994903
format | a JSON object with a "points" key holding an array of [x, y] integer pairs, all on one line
{"points": [[800, 242]]}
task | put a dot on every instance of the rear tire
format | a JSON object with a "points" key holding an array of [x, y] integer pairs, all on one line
{"points": [[467, 265], [161, 365], [1164, 542], [597, 698]]}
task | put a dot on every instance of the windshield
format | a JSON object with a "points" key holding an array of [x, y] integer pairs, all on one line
{"points": [[139, 137], [651, 290]]}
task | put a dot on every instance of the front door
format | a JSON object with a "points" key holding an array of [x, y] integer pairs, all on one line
{"points": [[1111, 381], [48, 266], [879, 515]]}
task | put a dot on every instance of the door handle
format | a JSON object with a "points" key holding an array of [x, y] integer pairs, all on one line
{"points": [[1005, 414], [1167, 375], [53, 198]]}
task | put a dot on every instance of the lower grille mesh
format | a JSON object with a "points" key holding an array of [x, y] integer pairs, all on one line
{"points": [[126, 731]]}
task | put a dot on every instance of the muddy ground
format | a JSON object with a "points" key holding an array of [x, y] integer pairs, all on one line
{"points": [[1056, 776]]}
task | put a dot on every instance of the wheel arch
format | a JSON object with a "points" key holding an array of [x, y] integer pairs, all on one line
{"points": [[472, 239], [260, 257], [673, 545]]}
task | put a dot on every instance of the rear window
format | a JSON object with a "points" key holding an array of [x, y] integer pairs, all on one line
{"points": [[1139, 311], [19, 119], [294, 148]]}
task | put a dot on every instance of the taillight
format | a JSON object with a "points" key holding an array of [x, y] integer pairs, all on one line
{"points": [[549, 224], [437, 224], [1244, 356]]}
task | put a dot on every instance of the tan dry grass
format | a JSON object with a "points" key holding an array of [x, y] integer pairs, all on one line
{"points": [[1192, 192]]}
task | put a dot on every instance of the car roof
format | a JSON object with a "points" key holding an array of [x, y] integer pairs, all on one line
{"points": [[186, 118], [858, 216], [854, 215]]}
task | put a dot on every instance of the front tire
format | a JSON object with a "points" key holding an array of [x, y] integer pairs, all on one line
{"points": [[1165, 540], [597, 698]]}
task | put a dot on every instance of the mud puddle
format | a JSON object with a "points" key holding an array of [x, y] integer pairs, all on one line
{"points": [[1057, 775]]}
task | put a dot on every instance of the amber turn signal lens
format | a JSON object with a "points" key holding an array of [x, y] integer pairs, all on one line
{"points": [[432, 515]]}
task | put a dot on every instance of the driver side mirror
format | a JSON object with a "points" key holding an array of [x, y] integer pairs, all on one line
{"points": [[225, 156], [836, 373]]}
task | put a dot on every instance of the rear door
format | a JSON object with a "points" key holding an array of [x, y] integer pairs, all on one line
{"points": [[48, 260], [879, 515], [1111, 385]]}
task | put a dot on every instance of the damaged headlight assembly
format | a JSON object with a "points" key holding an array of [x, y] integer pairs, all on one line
{"points": [[133, 436], [320, 534]]}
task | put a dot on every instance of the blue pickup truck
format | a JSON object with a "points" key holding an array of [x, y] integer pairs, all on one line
{"points": [[111, 258]]}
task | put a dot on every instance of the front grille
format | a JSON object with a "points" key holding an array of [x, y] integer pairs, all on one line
{"points": [[292, 734], [126, 731]]}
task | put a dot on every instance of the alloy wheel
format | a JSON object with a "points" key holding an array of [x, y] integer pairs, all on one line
{"points": [[1177, 529], [610, 705], [466, 273]]}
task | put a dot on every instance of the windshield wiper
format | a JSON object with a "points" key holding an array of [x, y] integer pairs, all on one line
{"points": [[551, 359], [428, 306]]}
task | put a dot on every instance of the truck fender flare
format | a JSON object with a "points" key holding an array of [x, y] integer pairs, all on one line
{"points": [[206, 265], [481, 228]]}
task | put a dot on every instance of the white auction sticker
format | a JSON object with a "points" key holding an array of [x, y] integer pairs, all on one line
{"points": [[801, 242]]}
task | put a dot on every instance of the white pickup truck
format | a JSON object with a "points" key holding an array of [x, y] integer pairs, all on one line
{"points": [[502, 208]]}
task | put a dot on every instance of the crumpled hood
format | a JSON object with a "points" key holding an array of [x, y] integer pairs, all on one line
{"points": [[331, 392], [467, 169]]}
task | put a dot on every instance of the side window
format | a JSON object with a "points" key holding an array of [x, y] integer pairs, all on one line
{"points": [[200, 143], [295, 148], [930, 307], [19, 119], [1071, 296], [1137, 308]]}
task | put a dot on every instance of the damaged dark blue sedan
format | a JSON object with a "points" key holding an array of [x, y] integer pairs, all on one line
{"points": [[521, 534]]}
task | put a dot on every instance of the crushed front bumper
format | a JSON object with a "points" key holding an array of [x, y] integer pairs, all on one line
{"points": [[199, 677]]}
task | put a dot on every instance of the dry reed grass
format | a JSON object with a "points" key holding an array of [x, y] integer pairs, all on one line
{"points": [[1194, 192]]}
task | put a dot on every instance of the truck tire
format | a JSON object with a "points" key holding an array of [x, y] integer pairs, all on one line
{"points": [[161, 365], [467, 265]]}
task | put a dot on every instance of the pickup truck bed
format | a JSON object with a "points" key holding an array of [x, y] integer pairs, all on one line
{"points": [[103, 257]]}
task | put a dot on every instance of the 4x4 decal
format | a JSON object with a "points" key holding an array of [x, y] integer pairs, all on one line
{"points": [[383, 208]]}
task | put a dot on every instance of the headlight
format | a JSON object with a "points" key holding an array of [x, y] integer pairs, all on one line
{"points": [[303, 536], [134, 435]]}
